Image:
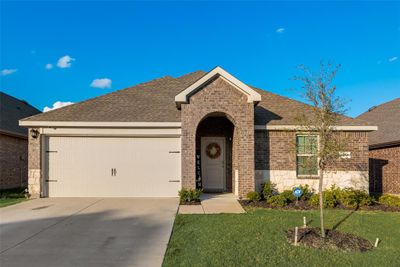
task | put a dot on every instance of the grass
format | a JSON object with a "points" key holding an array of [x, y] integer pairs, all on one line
{"points": [[258, 238], [4, 202], [11, 196]]}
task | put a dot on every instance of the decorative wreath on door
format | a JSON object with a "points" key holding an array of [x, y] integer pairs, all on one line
{"points": [[213, 150]]}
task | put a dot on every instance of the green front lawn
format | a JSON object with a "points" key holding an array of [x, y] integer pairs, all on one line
{"points": [[11, 196], [258, 238], [10, 201]]}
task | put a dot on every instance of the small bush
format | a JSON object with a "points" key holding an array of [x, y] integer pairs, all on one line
{"points": [[253, 196], [389, 200], [307, 193], [348, 197], [328, 197], [196, 193], [353, 198], [189, 195], [268, 190], [14, 193], [288, 194], [277, 201]]}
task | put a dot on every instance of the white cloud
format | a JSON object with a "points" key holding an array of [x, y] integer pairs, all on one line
{"points": [[392, 59], [6, 72], [48, 66], [65, 62], [101, 83], [280, 30], [57, 105]]}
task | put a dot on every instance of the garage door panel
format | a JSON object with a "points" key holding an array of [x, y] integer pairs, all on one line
{"points": [[144, 167]]}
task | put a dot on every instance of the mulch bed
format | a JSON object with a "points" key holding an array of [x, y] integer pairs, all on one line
{"points": [[300, 205], [191, 203], [311, 237], [304, 205]]}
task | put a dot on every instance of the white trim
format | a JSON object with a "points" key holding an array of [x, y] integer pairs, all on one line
{"points": [[299, 127], [252, 95], [112, 132], [110, 124], [308, 155]]}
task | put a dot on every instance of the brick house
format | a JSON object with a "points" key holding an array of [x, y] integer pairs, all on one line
{"points": [[13, 142], [204, 130], [384, 147]]}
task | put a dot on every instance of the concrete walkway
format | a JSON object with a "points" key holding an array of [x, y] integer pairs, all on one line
{"points": [[214, 204]]}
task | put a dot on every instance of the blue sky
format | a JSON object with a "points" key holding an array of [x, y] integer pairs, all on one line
{"points": [[261, 43]]}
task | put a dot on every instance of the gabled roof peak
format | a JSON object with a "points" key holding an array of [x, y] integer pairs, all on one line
{"points": [[252, 95]]}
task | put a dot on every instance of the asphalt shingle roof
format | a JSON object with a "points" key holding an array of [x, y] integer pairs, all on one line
{"points": [[154, 101], [387, 118], [12, 110]]}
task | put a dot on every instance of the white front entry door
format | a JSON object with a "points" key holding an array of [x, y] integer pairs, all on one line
{"points": [[213, 163]]}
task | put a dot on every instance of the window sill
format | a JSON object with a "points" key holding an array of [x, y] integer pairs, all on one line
{"points": [[315, 177]]}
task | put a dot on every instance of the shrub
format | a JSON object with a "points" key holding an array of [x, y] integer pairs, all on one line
{"points": [[195, 194], [277, 201], [189, 195], [14, 193], [329, 199], [268, 190], [348, 198], [253, 196], [288, 194], [389, 200], [352, 198], [307, 193]]}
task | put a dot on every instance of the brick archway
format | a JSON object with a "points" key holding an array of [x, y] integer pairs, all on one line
{"points": [[220, 97], [216, 126]]}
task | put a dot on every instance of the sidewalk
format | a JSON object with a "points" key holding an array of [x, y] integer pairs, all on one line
{"points": [[213, 204]]}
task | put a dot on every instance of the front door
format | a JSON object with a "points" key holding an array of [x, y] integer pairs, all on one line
{"points": [[213, 163]]}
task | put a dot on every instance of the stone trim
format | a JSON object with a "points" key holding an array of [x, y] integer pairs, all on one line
{"points": [[287, 179]]}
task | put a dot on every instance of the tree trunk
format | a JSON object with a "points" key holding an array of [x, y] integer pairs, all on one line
{"points": [[321, 202]]}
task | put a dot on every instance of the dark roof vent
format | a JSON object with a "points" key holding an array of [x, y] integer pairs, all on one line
{"points": [[372, 108]]}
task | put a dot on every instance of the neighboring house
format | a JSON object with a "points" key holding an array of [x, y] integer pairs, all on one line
{"points": [[384, 147], [205, 130], [13, 142]]}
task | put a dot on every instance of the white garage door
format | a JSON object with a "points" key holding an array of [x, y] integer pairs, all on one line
{"points": [[112, 167]]}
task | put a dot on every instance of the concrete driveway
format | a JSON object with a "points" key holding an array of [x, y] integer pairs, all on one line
{"points": [[86, 232]]}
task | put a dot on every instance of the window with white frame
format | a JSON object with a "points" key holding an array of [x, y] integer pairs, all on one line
{"points": [[307, 156]]}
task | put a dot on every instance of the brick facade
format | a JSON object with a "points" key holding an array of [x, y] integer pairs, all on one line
{"points": [[275, 159], [384, 172], [13, 161], [220, 97], [276, 150]]}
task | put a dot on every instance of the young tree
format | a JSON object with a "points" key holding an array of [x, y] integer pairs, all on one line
{"points": [[319, 121]]}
